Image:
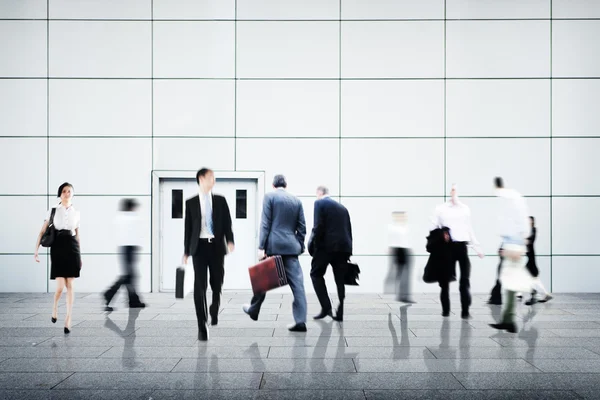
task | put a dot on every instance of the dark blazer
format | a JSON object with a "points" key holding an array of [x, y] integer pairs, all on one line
{"points": [[282, 227], [221, 224], [439, 266], [332, 230]]}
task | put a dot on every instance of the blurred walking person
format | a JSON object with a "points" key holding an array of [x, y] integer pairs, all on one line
{"points": [[330, 243], [128, 231], [65, 253], [537, 286], [282, 233], [514, 229], [401, 256], [456, 216]]}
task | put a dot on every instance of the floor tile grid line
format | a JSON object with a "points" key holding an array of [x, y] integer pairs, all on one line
{"points": [[175, 366], [70, 375], [104, 352]]}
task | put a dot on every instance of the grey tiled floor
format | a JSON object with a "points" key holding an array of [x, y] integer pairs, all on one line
{"points": [[383, 350]]}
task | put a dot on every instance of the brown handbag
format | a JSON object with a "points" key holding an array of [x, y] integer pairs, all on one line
{"points": [[267, 274]]}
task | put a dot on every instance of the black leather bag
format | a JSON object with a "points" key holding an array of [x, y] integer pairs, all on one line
{"points": [[50, 232], [351, 275]]}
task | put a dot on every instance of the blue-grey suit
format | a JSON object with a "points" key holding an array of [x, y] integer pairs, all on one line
{"points": [[282, 232]]}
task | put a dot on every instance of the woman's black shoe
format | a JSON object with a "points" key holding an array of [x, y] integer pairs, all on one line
{"points": [[67, 330], [53, 320]]}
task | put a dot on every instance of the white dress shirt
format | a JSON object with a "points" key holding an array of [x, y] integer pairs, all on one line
{"points": [[65, 218], [513, 214], [398, 236], [128, 228], [203, 228], [457, 217]]}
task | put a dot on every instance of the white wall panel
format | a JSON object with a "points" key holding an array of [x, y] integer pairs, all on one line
{"points": [[575, 9], [370, 227], [193, 154], [23, 103], [392, 167], [574, 107], [523, 163], [288, 49], [100, 107], [575, 275], [575, 52], [398, 49], [497, 108], [497, 49], [484, 219], [101, 166], [105, 9], [199, 49], [25, 274], [493, 9], [100, 49], [21, 229], [397, 9], [194, 108], [306, 163], [26, 9], [288, 9], [98, 229], [285, 108], [574, 225], [573, 164], [23, 163], [23, 48], [194, 9], [99, 272], [392, 108]]}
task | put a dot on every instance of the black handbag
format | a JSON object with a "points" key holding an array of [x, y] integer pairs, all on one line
{"points": [[50, 232], [351, 274]]}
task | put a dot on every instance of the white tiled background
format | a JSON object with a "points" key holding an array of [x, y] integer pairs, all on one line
{"points": [[347, 93]]}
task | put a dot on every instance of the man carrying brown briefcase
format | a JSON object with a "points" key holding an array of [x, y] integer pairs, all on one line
{"points": [[282, 233]]}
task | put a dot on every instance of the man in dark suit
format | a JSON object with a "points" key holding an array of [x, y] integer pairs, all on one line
{"points": [[330, 243], [208, 237], [282, 232]]}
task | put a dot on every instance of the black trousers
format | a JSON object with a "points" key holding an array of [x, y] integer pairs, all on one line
{"points": [[128, 258], [338, 262], [207, 258], [460, 254]]}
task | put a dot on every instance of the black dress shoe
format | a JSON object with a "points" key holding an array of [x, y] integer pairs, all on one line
{"points": [[246, 309], [53, 320], [137, 305], [445, 313], [495, 302], [465, 315], [339, 315], [297, 327], [510, 327], [323, 314], [203, 335], [214, 320]]}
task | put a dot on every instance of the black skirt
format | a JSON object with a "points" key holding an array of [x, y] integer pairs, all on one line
{"points": [[65, 256]]}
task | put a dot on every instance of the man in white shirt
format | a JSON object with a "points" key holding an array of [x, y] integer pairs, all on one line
{"points": [[514, 228], [456, 216]]}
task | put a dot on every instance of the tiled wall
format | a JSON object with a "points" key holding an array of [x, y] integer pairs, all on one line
{"points": [[386, 102]]}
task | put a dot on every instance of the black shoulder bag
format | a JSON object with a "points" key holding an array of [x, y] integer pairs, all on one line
{"points": [[50, 232]]}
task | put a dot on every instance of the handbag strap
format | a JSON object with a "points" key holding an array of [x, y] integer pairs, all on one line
{"points": [[51, 222]]}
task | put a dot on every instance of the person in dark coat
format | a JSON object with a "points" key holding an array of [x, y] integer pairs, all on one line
{"points": [[439, 267]]}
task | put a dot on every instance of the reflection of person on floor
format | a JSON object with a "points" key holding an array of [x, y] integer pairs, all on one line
{"points": [[128, 334], [401, 349], [401, 256], [537, 285], [514, 229], [129, 234]]}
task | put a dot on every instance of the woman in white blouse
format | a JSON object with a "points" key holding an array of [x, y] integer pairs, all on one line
{"points": [[65, 255]]}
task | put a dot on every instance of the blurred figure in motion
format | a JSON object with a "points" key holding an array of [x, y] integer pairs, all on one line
{"points": [[514, 229], [496, 295], [537, 285], [456, 216], [401, 256], [330, 243], [129, 233]]}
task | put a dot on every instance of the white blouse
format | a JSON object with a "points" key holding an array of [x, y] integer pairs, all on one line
{"points": [[65, 218]]}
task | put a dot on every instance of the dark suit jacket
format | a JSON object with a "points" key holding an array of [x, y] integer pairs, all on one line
{"points": [[282, 227], [332, 230], [221, 224], [439, 266]]}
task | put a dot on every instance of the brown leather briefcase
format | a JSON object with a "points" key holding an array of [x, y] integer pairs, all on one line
{"points": [[267, 274]]}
